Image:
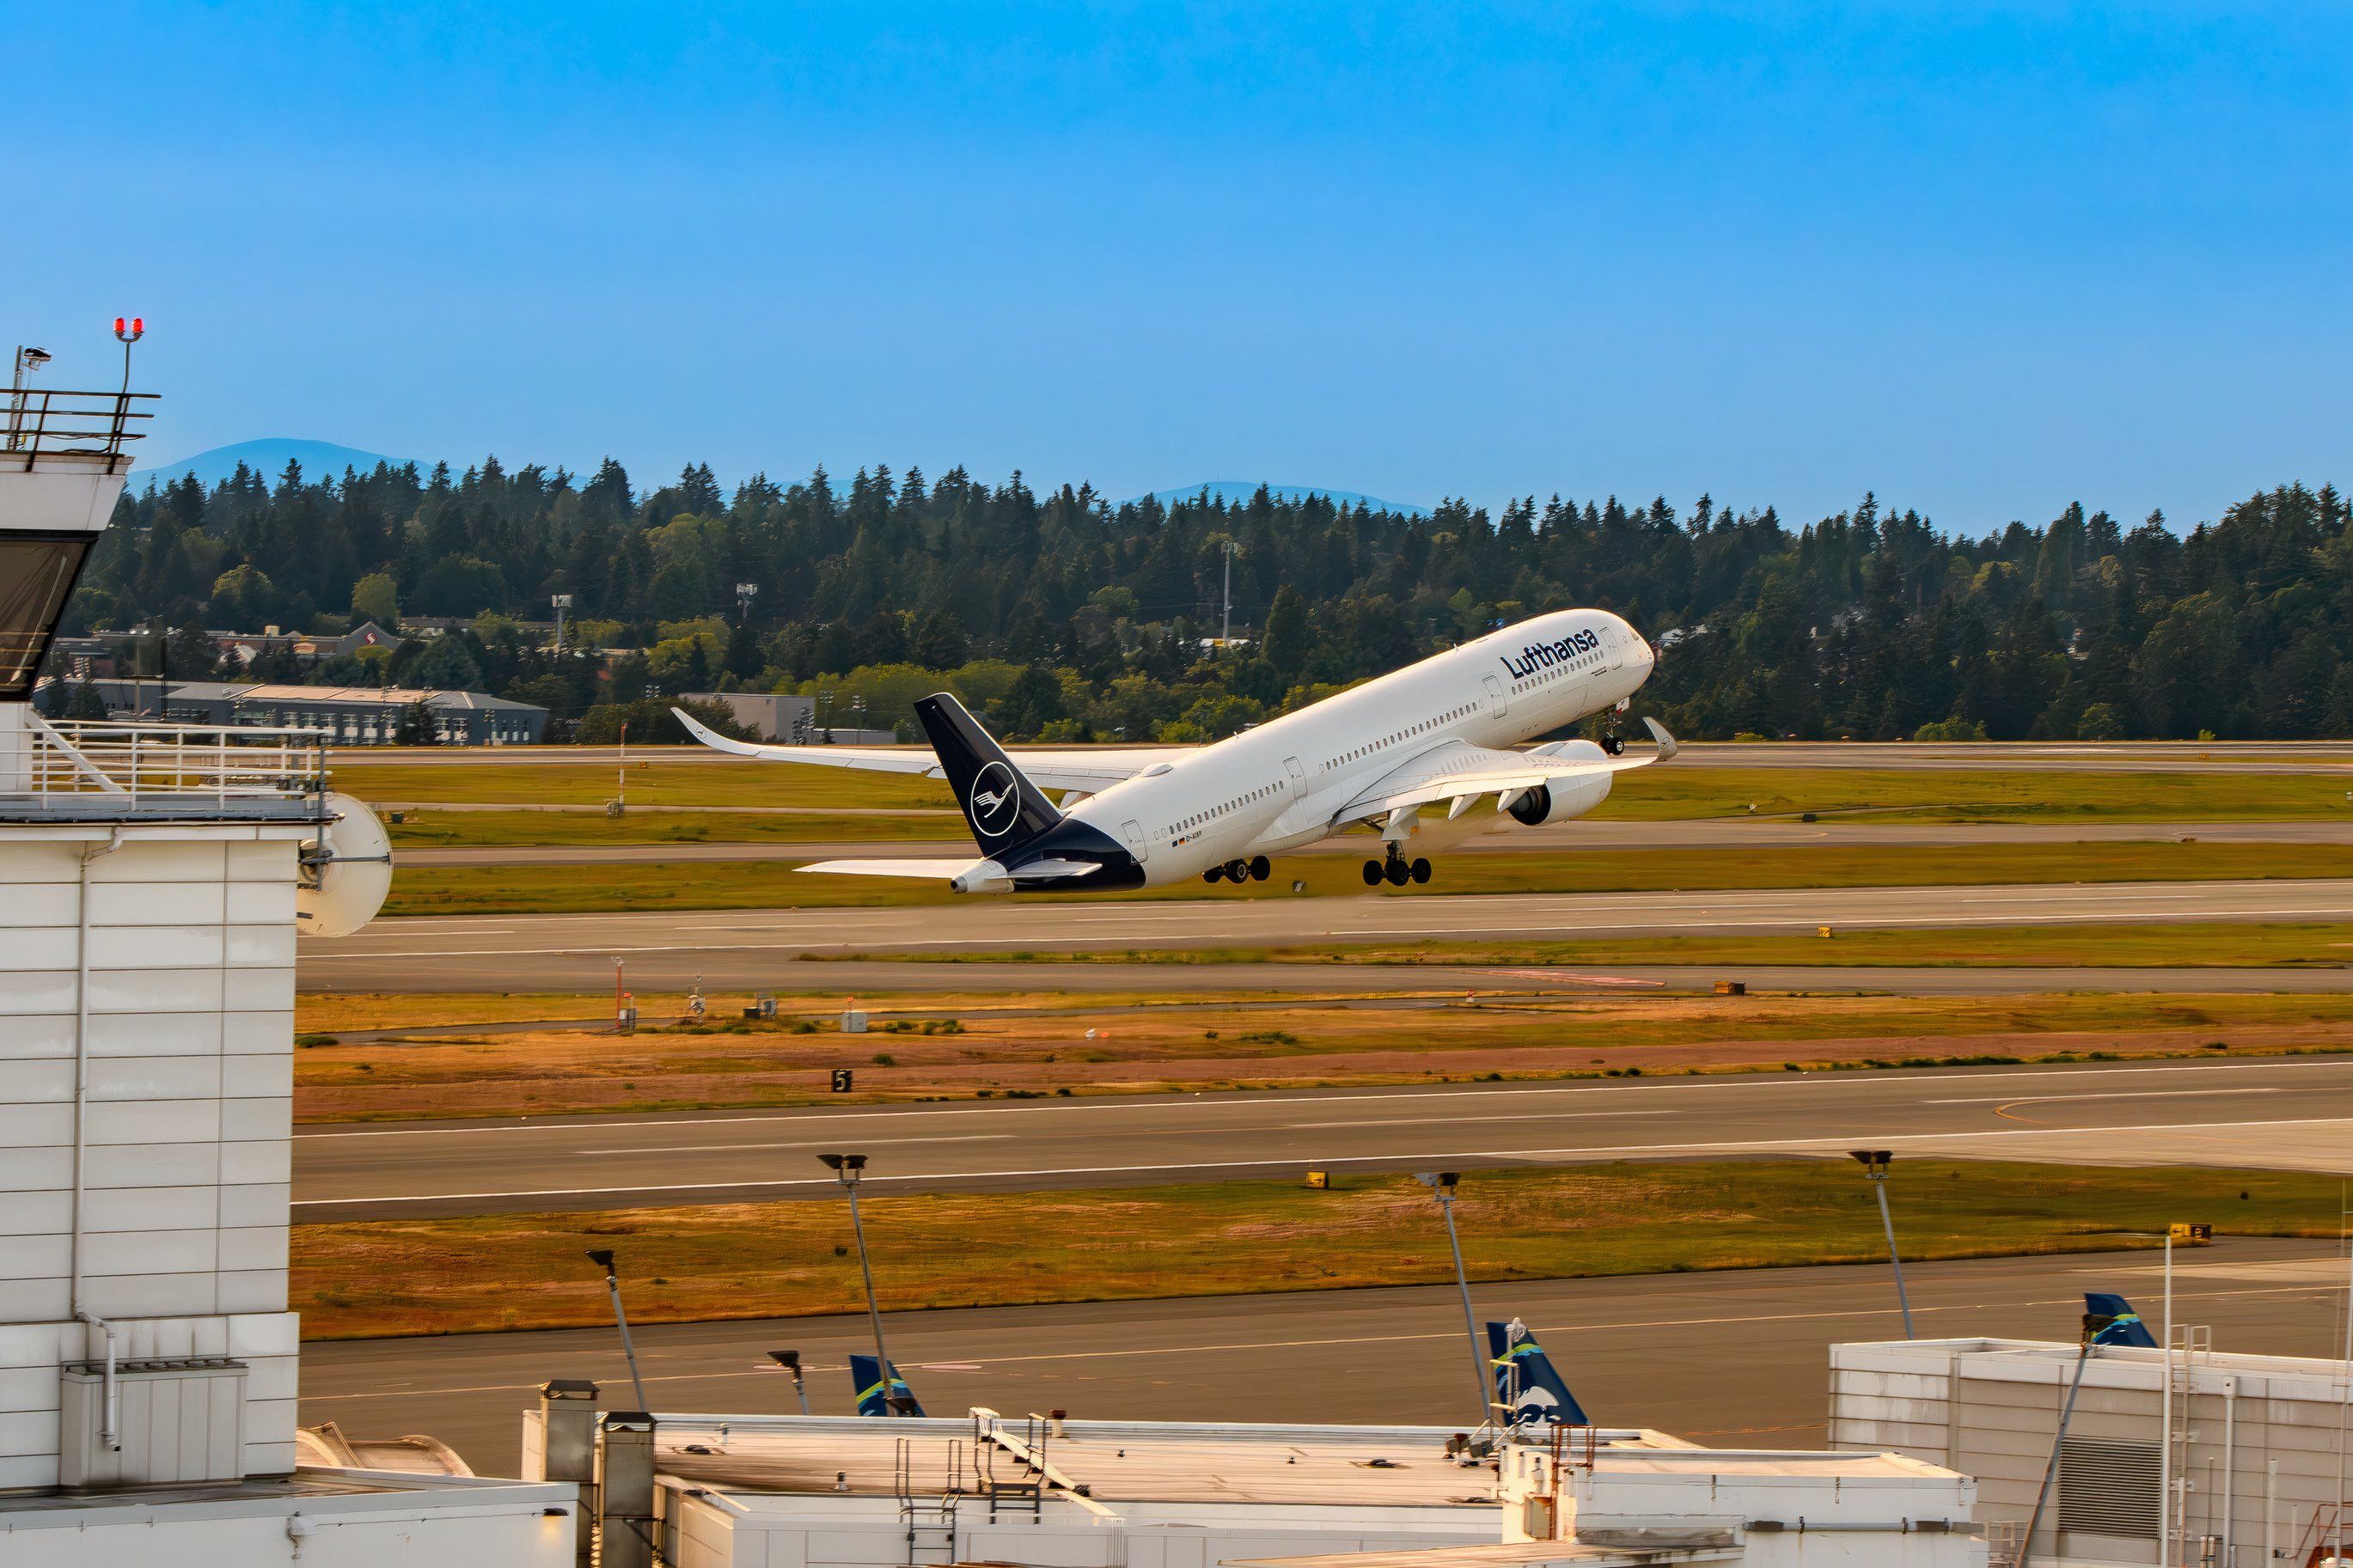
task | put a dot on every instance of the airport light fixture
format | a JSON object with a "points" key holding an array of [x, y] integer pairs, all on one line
{"points": [[847, 1169], [1874, 1164], [602, 1258], [791, 1361], [743, 595], [1442, 1185], [560, 602]]}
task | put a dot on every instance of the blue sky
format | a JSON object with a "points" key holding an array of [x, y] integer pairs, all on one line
{"points": [[1982, 260]]}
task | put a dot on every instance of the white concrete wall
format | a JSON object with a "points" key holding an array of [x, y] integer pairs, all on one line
{"points": [[500, 1526], [190, 998], [747, 1531]]}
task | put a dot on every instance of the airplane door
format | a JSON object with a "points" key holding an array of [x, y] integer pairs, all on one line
{"points": [[1298, 771], [1498, 705], [1613, 649], [1135, 846]]}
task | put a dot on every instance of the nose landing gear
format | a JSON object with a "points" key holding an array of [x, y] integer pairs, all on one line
{"points": [[1396, 871]]}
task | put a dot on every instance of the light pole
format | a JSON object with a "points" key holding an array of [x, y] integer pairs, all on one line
{"points": [[562, 602], [1442, 1184], [848, 1168], [1226, 630], [1874, 1164], [743, 593], [602, 1258]]}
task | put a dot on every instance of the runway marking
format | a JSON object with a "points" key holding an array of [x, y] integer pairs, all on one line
{"points": [[2120, 1094], [1177, 1102], [1128, 1352], [1419, 1120], [803, 1143], [1838, 1140]]}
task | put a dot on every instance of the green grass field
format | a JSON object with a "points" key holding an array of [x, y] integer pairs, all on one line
{"points": [[719, 885], [787, 1260], [1678, 789]]}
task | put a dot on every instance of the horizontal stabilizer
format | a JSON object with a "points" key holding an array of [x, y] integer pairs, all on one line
{"points": [[938, 870]]}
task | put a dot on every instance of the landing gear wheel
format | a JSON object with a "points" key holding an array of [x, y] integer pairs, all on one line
{"points": [[1419, 871], [1214, 874], [1614, 744], [1236, 872], [1397, 873], [1261, 867], [1372, 873]]}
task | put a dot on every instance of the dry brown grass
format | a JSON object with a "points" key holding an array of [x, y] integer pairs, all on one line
{"points": [[549, 1071]]}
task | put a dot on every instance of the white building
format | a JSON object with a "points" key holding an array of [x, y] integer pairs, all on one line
{"points": [[714, 1492], [150, 881], [2249, 1449]]}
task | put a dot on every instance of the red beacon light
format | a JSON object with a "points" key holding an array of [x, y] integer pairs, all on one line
{"points": [[132, 332]]}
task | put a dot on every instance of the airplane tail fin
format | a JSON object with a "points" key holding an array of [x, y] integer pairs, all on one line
{"points": [[2110, 1320], [1002, 807], [1529, 1391], [877, 1396]]}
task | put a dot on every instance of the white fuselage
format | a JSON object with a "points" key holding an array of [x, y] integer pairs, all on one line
{"points": [[1292, 780]]}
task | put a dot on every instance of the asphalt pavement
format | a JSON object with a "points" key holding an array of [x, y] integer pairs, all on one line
{"points": [[1731, 1359], [2294, 1114], [667, 949]]}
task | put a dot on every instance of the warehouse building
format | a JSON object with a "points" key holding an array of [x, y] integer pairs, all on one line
{"points": [[349, 715]]}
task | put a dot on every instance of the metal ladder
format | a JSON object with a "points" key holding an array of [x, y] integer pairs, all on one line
{"points": [[1022, 1491], [929, 1521]]}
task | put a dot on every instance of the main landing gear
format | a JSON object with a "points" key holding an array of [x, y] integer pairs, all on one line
{"points": [[1396, 871], [1257, 869]]}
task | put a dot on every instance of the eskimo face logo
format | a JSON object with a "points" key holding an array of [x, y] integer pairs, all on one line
{"points": [[995, 801]]}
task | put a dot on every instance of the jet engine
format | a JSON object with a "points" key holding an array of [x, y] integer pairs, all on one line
{"points": [[1563, 798]]}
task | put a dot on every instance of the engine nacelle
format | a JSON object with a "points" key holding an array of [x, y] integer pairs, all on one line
{"points": [[1563, 798]]}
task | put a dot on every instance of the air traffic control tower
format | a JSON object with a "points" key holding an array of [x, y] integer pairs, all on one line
{"points": [[153, 877]]}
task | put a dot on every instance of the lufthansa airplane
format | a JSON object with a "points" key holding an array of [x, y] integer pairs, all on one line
{"points": [[1437, 731]]}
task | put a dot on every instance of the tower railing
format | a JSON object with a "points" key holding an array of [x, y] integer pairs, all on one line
{"points": [[49, 422], [103, 766]]}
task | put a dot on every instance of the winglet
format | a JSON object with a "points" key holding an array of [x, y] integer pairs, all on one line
{"points": [[1657, 732], [713, 738]]}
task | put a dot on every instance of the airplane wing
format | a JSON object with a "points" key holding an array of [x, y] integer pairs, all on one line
{"points": [[1089, 769], [1461, 772]]}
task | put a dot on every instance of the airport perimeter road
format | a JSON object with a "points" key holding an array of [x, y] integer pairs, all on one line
{"points": [[667, 949], [1568, 838], [1733, 1359], [2280, 1113]]}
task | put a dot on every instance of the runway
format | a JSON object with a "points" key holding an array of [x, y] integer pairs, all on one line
{"points": [[1731, 1359], [2281, 1113], [1736, 835], [2137, 756], [668, 948]]}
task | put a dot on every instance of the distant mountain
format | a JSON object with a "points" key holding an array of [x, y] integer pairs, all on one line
{"points": [[1232, 491], [320, 459]]}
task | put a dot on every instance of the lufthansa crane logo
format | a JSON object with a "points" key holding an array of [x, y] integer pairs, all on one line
{"points": [[995, 802]]}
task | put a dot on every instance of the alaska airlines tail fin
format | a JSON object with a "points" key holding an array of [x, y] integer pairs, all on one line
{"points": [[876, 1398], [1004, 809], [2111, 1320], [1529, 1391]]}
